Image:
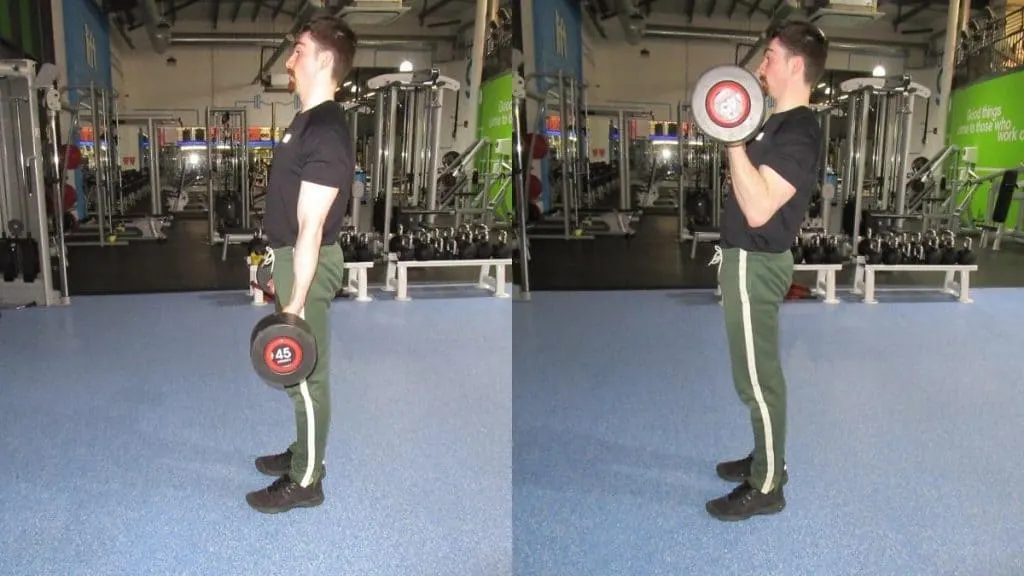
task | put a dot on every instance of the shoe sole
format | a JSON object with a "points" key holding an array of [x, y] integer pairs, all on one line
{"points": [[306, 504], [739, 518]]}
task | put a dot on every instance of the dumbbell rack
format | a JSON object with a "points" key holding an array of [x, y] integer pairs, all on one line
{"points": [[397, 278], [864, 279]]}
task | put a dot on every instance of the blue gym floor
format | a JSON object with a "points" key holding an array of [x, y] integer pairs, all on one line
{"points": [[904, 451], [129, 424]]}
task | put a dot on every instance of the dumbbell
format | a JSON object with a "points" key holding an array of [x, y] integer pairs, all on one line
{"points": [[502, 249], [797, 249], [728, 104], [283, 350], [966, 257]]}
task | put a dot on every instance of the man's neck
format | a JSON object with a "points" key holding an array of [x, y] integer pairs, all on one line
{"points": [[316, 97], [793, 99]]}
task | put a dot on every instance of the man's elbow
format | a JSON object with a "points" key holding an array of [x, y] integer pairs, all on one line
{"points": [[758, 219]]}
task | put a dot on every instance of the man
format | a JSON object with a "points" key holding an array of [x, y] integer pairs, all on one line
{"points": [[309, 186], [772, 180]]}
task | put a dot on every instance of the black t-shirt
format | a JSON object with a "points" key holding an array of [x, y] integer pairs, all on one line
{"points": [[317, 148], [790, 144]]}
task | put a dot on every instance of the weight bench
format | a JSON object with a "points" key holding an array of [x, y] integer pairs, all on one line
{"points": [[615, 222], [864, 279], [234, 237], [397, 278], [1000, 211], [357, 280], [148, 227], [824, 285], [705, 235]]}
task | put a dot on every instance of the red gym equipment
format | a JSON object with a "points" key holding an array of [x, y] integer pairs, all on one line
{"points": [[71, 155], [70, 199], [536, 188], [540, 145]]}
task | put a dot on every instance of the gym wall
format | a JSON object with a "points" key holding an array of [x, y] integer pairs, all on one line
{"points": [[223, 76], [668, 73], [988, 116]]}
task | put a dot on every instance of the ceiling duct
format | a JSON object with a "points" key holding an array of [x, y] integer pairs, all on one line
{"points": [[843, 13], [207, 39], [373, 12], [632, 19], [157, 30]]}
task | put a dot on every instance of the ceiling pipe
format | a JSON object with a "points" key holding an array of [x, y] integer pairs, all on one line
{"points": [[887, 47], [633, 21], [157, 30], [215, 39]]}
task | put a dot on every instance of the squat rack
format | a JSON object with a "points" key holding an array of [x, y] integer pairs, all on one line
{"points": [[29, 203]]}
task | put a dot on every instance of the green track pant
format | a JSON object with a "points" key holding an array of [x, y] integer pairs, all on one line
{"points": [[312, 397], [754, 285]]}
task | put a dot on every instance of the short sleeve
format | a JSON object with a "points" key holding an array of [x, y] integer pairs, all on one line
{"points": [[328, 157], [793, 153]]}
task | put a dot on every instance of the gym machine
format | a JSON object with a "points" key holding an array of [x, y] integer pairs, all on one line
{"points": [[32, 247], [619, 142], [570, 217], [407, 158], [878, 175], [356, 220], [701, 175], [228, 195], [112, 193], [519, 177]]}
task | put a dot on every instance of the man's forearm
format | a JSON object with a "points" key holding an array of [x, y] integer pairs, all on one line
{"points": [[749, 187], [307, 254]]}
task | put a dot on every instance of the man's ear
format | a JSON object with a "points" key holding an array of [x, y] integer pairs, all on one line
{"points": [[796, 66], [326, 59]]}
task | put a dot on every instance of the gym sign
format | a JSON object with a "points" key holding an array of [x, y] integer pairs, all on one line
{"points": [[560, 35], [90, 47]]}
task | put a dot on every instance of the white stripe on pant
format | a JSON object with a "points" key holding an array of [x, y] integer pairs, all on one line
{"points": [[748, 340], [307, 401]]}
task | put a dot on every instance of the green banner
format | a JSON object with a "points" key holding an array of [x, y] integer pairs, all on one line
{"points": [[988, 116], [495, 124]]}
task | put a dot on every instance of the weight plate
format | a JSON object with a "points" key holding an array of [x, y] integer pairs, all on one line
{"points": [[728, 104], [265, 279], [282, 350], [282, 355]]}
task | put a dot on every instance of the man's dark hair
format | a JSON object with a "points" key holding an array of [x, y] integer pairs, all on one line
{"points": [[805, 40], [333, 34]]}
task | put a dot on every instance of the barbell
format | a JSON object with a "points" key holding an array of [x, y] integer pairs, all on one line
{"points": [[728, 104]]}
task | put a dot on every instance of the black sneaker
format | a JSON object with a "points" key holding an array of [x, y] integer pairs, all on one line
{"points": [[283, 495], [737, 471], [732, 471], [275, 465], [745, 502]]}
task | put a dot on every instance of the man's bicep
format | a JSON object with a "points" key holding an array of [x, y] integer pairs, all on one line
{"points": [[792, 161], [328, 159]]}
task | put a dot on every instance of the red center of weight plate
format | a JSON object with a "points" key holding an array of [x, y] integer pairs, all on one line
{"points": [[282, 355], [727, 104]]}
